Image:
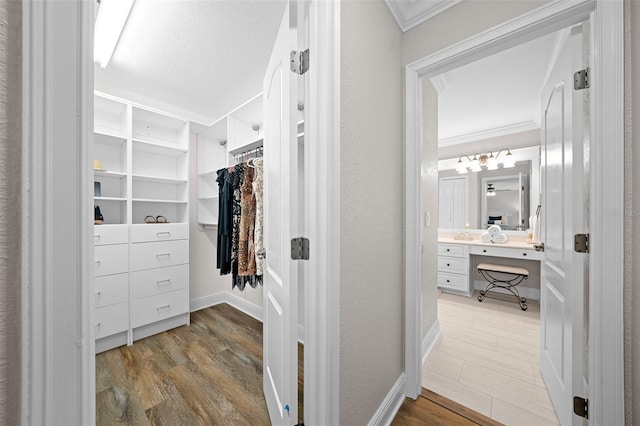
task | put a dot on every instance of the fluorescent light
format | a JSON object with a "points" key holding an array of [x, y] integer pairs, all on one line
{"points": [[112, 16]]}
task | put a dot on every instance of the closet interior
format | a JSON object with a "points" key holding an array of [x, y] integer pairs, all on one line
{"points": [[157, 203]]}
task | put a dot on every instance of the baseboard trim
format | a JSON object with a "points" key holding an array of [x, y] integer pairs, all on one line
{"points": [[529, 293], [391, 404], [430, 340], [239, 303]]}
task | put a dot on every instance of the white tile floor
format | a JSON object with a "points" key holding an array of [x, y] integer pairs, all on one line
{"points": [[488, 360]]}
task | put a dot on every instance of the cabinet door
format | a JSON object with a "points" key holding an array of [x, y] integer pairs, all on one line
{"points": [[446, 204], [460, 200]]}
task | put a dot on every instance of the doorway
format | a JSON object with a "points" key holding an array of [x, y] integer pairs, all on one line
{"points": [[542, 21]]}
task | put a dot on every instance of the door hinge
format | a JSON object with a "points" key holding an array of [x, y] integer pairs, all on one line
{"points": [[581, 243], [581, 406], [581, 79], [300, 61], [300, 248]]}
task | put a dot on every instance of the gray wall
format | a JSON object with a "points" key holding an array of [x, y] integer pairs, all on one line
{"points": [[10, 210], [371, 217], [429, 204], [632, 210]]}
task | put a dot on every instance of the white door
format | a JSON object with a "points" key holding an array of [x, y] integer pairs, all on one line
{"points": [[562, 269], [280, 302]]}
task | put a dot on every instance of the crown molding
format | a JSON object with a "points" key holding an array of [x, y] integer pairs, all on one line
{"points": [[509, 129], [409, 14]]}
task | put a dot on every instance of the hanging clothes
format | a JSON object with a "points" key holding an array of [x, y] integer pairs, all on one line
{"points": [[225, 201], [258, 232], [246, 249], [237, 221]]}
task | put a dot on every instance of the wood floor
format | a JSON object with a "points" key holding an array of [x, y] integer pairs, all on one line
{"points": [[488, 359], [431, 409], [209, 372]]}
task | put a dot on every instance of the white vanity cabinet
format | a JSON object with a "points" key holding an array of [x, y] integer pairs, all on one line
{"points": [[453, 268]]}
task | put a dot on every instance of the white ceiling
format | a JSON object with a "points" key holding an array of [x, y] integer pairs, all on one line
{"points": [[201, 57], [496, 95]]}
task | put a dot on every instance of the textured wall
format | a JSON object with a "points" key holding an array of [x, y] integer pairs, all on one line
{"points": [[10, 209], [430, 203], [371, 216], [632, 216]]}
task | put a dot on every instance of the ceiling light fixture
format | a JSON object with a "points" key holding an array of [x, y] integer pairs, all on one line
{"points": [[491, 191], [112, 16], [488, 160]]}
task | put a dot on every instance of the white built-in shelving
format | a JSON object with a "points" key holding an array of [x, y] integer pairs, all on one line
{"points": [[141, 269], [237, 132]]}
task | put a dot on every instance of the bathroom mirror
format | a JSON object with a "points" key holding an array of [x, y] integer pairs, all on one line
{"points": [[463, 197]]}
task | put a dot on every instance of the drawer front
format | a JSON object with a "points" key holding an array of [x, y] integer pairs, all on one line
{"points": [[162, 306], [513, 253], [150, 232], [454, 250], [112, 319], [110, 234], [454, 265], [158, 255], [160, 280], [111, 259], [111, 289], [453, 282]]}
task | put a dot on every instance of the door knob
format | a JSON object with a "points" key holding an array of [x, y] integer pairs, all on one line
{"points": [[539, 247]]}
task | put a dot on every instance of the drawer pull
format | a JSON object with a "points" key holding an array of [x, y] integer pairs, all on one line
{"points": [[163, 232], [97, 261], [161, 282], [448, 281], [98, 293], [448, 264], [448, 249], [98, 325], [97, 236], [163, 254], [163, 307], [484, 250]]}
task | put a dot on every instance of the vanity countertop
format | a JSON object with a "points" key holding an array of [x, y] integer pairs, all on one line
{"points": [[509, 244]]}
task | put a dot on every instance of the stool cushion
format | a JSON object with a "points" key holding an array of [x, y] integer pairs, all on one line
{"points": [[503, 268]]}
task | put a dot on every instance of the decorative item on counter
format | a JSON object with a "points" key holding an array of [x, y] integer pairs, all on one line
{"points": [[494, 235], [466, 235], [98, 219], [534, 223], [97, 189]]}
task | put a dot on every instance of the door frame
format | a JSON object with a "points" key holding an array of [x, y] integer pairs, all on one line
{"points": [[606, 364], [58, 82]]}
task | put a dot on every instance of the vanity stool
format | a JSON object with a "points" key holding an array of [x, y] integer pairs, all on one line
{"points": [[509, 277]]}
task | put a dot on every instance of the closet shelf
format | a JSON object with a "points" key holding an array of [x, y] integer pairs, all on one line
{"points": [[111, 133], [109, 199], [107, 173], [247, 146], [148, 200], [213, 197], [159, 147], [145, 178]]}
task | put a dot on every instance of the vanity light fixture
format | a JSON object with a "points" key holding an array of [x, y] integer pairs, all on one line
{"points": [[112, 16], [488, 161]]}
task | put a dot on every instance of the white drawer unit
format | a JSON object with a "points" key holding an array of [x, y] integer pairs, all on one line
{"points": [[158, 255], [453, 281], [453, 268], [111, 289], [453, 264], [510, 252], [111, 319], [159, 232], [111, 259], [156, 308], [110, 234], [160, 280]]}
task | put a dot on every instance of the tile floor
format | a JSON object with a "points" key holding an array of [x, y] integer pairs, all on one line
{"points": [[488, 360]]}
